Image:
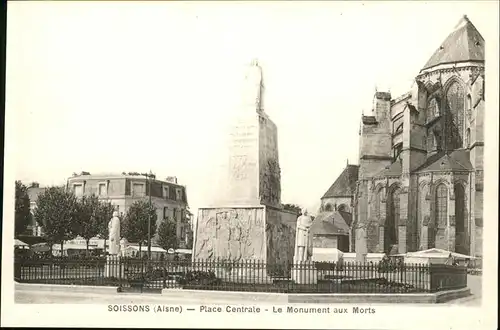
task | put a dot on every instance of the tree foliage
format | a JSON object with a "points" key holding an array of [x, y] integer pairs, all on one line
{"points": [[22, 213], [104, 214], [167, 234], [92, 218], [135, 225], [56, 213], [293, 207]]}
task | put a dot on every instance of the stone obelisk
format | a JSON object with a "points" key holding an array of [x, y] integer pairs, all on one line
{"points": [[247, 221]]}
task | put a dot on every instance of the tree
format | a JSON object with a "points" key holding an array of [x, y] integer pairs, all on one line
{"points": [[56, 213], [135, 225], [87, 224], [167, 234], [104, 214], [293, 207], [23, 213]]}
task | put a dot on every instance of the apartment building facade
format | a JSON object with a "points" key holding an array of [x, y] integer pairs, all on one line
{"points": [[122, 190]]}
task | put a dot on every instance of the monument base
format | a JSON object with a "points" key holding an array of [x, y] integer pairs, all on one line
{"points": [[305, 273], [113, 267], [245, 233]]}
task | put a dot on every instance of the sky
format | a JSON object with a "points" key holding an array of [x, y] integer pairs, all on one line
{"points": [[108, 87]]}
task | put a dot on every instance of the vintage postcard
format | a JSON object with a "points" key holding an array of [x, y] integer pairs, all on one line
{"points": [[251, 164]]}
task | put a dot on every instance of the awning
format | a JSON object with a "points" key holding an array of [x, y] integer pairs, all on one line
{"points": [[438, 253], [71, 247], [184, 251], [145, 248], [19, 243]]}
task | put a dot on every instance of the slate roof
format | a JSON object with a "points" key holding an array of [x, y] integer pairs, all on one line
{"points": [[345, 185], [329, 223], [465, 43], [395, 169], [457, 160]]}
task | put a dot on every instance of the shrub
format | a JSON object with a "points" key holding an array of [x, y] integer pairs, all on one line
{"points": [[199, 278]]}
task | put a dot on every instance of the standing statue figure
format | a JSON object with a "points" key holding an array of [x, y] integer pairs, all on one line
{"points": [[303, 242], [114, 234], [254, 85]]}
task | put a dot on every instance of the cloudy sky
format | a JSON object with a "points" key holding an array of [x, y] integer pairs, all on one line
{"points": [[134, 86]]}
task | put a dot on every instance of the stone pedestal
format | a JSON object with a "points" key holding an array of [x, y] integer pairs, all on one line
{"points": [[113, 267], [259, 233], [305, 273]]}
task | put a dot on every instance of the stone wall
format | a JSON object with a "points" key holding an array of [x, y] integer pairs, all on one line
{"points": [[332, 201], [325, 241], [280, 235]]}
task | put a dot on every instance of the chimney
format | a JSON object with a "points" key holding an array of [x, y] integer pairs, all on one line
{"points": [[172, 179]]}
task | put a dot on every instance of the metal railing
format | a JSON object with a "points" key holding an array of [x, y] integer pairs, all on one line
{"points": [[249, 275]]}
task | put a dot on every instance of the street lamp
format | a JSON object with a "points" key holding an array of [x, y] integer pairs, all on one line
{"points": [[149, 176]]}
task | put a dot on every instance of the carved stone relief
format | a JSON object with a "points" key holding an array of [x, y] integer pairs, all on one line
{"points": [[232, 234], [270, 182], [239, 167]]}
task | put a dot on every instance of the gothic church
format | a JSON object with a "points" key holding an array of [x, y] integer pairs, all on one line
{"points": [[420, 176]]}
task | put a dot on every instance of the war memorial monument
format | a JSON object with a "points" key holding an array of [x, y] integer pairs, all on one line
{"points": [[248, 221]]}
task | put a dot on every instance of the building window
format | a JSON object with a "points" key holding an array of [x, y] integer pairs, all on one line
{"points": [[399, 129], [455, 101], [138, 189], [183, 233], [467, 138], [166, 193], [174, 214], [397, 151], [432, 109], [78, 189], [343, 208], [165, 212], [102, 189], [178, 193], [441, 205], [392, 222], [378, 202]]}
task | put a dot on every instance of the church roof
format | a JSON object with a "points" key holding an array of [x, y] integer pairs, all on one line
{"points": [[464, 44], [330, 223], [345, 185], [457, 160], [395, 169]]}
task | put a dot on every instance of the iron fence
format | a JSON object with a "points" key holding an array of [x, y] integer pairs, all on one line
{"points": [[249, 275], [447, 277]]}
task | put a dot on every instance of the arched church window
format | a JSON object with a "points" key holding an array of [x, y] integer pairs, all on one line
{"points": [[399, 129], [392, 220], [328, 207], [378, 202], [343, 208], [395, 201], [467, 138], [432, 109], [455, 101], [441, 204]]}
